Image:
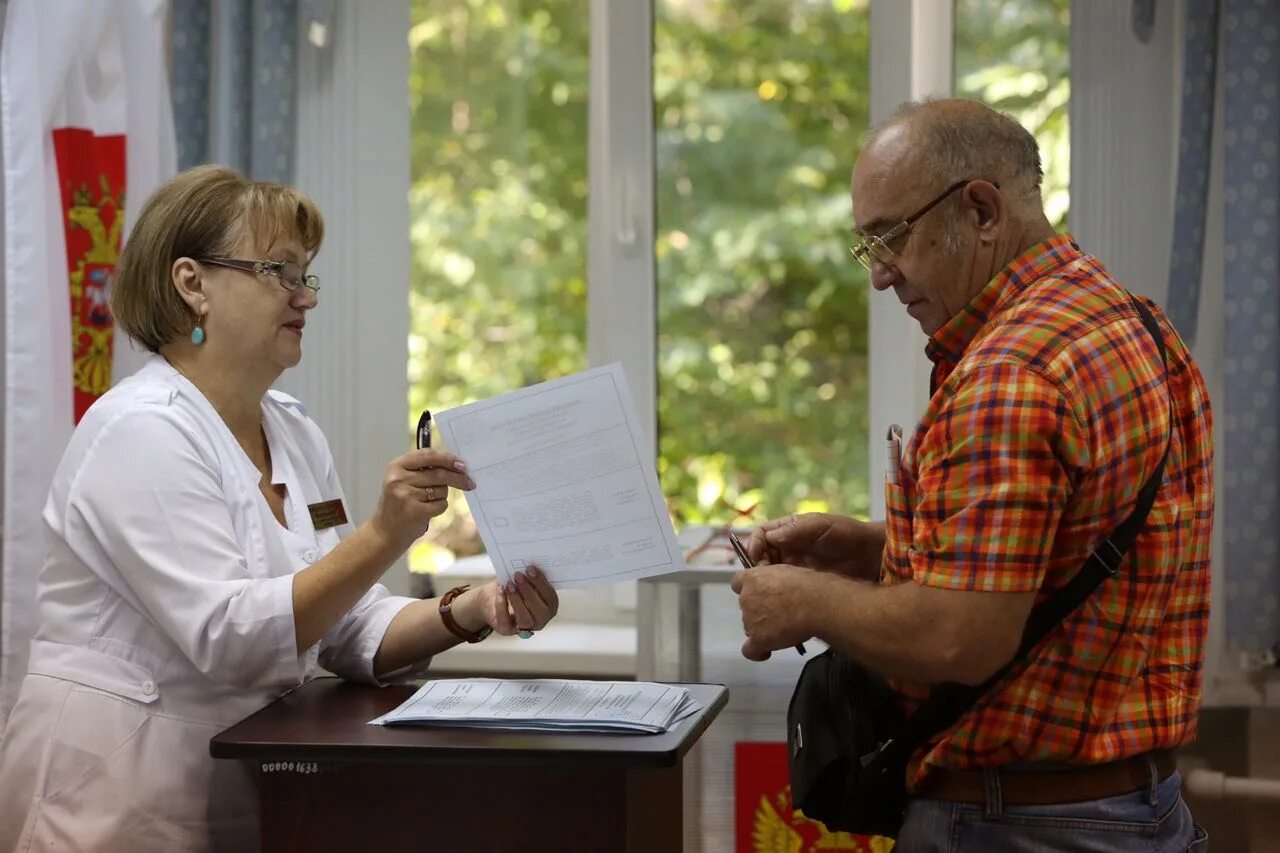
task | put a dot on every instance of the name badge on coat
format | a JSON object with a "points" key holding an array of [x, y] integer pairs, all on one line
{"points": [[327, 514]]}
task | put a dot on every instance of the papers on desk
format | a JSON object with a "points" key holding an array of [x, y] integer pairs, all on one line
{"points": [[605, 707], [565, 480]]}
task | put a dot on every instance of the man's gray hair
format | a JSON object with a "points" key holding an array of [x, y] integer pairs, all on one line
{"points": [[960, 144]]}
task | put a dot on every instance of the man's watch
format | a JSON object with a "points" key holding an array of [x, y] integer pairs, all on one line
{"points": [[446, 616]]}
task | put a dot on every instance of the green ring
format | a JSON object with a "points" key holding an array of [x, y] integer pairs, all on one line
{"points": [[524, 635]]}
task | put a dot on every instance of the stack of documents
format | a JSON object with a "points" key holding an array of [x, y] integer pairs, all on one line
{"points": [[634, 707]]}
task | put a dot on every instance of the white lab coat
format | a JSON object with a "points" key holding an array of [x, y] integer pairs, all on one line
{"points": [[166, 614]]}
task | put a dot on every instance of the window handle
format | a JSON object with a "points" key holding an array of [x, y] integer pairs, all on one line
{"points": [[625, 222]]}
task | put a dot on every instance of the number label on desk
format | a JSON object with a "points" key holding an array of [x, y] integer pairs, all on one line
{"points": [[304, 767]]}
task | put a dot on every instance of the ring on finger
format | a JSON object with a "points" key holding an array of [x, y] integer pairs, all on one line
{"points": [[524, 633], [431, 493]]}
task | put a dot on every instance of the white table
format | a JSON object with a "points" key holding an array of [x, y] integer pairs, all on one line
{"points": [[669, 608], [669, 623]]}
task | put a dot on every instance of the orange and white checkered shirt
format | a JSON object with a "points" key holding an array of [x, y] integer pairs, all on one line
{"points": [[1051, 409]]}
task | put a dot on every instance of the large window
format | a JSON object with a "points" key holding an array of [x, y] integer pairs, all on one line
{"points": [[498, 206], [762, 314]]}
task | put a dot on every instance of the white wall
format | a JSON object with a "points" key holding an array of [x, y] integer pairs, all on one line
{"points": [[4, 13], [353, 159], [1124, 138]]}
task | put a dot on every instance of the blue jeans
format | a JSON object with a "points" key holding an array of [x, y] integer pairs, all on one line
{"points": [[1153, 820]]}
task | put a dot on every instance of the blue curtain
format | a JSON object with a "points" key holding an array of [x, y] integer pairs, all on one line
{"points": [[1199, 62], [233, 76], [1251, 438], [1248, 411]]}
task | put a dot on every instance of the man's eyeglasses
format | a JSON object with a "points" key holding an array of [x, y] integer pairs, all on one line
{"points": [[876, 247], [290, 275]]}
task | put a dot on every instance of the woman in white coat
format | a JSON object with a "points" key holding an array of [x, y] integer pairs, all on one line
{"points": [[200, 562]]}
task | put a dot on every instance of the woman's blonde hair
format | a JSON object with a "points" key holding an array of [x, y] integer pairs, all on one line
{"points": [[202, 212]]}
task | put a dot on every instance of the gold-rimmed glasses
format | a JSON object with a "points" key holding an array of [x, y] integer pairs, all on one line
{"points": [[876, 247]]}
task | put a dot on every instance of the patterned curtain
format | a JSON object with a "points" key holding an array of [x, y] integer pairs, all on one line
{"points": [[1199, 62], [1251, 437], [233, 76], [1249, 409]]}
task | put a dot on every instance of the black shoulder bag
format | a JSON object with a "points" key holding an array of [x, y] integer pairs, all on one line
{"points": [[848, 741]]}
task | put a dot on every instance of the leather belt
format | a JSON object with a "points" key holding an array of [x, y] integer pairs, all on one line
{"points": [[1048, 787]]}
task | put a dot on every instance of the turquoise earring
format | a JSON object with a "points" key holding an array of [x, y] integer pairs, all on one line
{"points": [[197, 334]]}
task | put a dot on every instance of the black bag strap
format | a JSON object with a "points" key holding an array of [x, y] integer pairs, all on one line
{"points": [[949, 702]]}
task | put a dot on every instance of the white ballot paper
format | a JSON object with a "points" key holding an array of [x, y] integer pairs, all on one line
{"points": [[545, 705], [563, 481]]}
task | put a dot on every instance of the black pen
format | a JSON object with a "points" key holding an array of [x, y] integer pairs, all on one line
{"points": [[424, 430], [747, 564]]}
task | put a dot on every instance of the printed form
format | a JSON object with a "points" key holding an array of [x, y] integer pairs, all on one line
{"points": [[563, 483], [545, 705]]}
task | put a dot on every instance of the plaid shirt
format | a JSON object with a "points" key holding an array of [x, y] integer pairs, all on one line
{"points": [[1050, 412]]}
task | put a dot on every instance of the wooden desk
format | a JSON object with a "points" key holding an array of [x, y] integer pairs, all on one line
{"points": [[329, 781]]}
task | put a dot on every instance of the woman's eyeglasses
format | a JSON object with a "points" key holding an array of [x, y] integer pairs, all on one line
{"points": [[290, 275]]}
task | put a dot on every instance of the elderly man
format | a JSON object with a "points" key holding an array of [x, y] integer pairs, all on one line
{"points": [[1051, 408]]}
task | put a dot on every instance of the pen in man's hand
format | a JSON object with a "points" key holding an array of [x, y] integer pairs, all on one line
{"points": [[747, 564], [424, 430]]}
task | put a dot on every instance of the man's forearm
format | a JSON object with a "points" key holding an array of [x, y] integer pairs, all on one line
{"points": [[875, 626], [906, 631]]}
